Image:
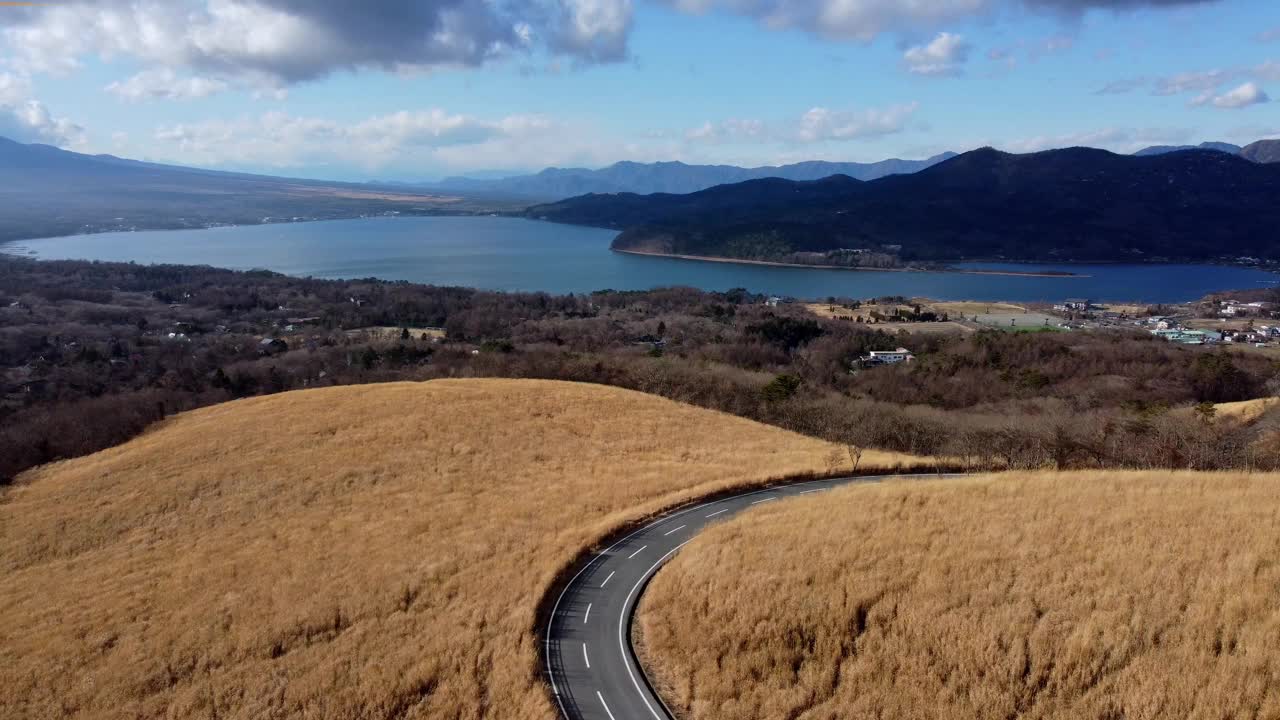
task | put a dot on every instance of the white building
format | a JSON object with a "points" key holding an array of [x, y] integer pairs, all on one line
{"points": [[888, 357]]}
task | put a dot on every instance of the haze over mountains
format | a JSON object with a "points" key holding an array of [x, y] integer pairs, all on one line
{"points": [[679, 178], [671, 177], [1075, 204], [48, 191]]}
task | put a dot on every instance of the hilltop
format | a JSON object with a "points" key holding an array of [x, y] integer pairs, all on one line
{"points": [[1077, 204], [359, 552], [1029, 595]]}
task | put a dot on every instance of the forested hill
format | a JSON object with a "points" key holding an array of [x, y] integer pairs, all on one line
{"points": [[1072, 204]]}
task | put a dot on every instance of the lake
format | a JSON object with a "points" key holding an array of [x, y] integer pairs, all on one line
{"points": [[515, 254]]}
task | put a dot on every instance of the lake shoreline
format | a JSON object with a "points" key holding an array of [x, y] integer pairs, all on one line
{"points": [[774, 263]]}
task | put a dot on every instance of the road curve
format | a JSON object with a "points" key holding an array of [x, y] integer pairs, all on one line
{"points": [[588, 656]]}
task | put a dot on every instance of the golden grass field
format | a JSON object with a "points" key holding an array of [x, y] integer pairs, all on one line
{"points": [[1245, 411], [1070, 596], [373, 551], [393, 332], [967, 307], [835, 312]]}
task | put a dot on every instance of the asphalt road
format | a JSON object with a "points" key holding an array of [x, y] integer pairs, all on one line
{"points": [[593, 671]]}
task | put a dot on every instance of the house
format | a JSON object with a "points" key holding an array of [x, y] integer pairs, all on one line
{"points": [[888, 357], [271, 346], [1077, 304]]}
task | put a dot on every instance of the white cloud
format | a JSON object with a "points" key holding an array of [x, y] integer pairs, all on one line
{"points": [[864, 20], [282, 140], [281, 42], [27, 120], [821, 124], [944, 55], [165, 84], [1242, 96], [594, 30], [729, 131], [1192, 82], [1122, 140]]}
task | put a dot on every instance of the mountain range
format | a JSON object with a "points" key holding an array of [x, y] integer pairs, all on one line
{"points": [[46, 191], [680, 178], [668, 177], [1075, 204]]}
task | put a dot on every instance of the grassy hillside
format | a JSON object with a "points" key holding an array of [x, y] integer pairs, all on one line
{"points": [[359, 552], [1081, 595]]}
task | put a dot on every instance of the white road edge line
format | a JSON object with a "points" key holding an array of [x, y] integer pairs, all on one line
{"points": [[587, 616], [764, 500], [806, 492], [555, 609], [606, 580], [585, 659], [718, 512], [605, 704], [675, 530], [637, 552], [622, 621]]}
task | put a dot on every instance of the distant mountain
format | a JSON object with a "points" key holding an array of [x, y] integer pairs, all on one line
{"points": [[1075, 204], [1263, 151], [671, 177], [1162, 149], [48, 191]]}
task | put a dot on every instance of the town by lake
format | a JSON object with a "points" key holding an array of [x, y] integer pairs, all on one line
{"points": [[514, 254]]}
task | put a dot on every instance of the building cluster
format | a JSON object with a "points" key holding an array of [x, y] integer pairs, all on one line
{"points": [[1172, 330], [1233, 308]]}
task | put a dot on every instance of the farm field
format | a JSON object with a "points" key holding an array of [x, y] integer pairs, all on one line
{"points": [[1077, 595], [368, 551]]}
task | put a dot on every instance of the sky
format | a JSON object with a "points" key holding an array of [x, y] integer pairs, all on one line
{"points": [[403, 90]]}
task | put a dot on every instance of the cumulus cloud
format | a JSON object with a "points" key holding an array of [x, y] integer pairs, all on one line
{"points": [[282, 42], [1242, 96], [164, 83], [863, 20], [27, 120], [821, 124], [283, 140], [1205, 84], [944, 55]]}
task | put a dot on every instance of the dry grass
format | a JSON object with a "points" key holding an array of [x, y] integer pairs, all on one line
{"points": [[969, 308], [835, 312], [1086, 595], [1245, 411], [360, 552], [393, 332]]}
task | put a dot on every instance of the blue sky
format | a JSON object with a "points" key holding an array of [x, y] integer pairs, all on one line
{"points": [[419, 90]]}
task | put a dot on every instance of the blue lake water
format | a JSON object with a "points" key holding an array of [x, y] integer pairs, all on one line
{"points": [[515, 254]]}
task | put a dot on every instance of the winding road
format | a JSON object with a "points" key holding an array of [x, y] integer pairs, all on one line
{"points": [[589, 659]]}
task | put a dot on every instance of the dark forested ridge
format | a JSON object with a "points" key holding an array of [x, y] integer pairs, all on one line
{"points": [[1077, 204]]}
